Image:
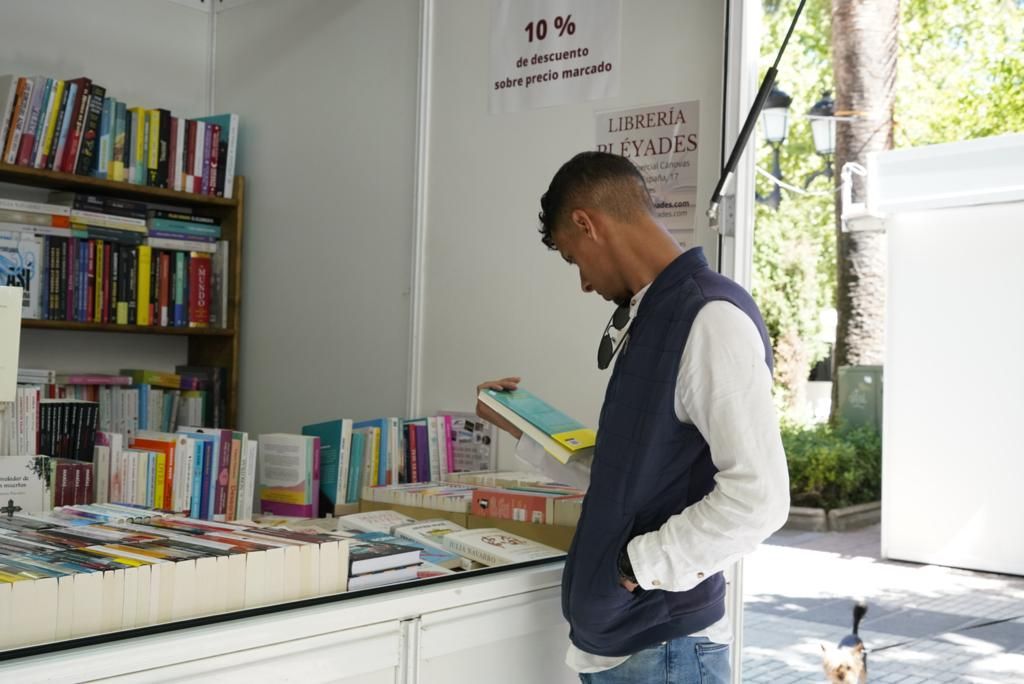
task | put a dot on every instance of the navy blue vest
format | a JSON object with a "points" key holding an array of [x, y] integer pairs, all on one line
{"points": [[648, 466]]}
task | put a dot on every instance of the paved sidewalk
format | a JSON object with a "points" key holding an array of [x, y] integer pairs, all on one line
{"points": [[800, 588]]}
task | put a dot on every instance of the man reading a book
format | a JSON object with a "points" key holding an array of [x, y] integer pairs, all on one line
{"points": [[688, 473]]}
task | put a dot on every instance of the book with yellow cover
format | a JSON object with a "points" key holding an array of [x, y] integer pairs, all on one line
{"points": [[561, 436]]}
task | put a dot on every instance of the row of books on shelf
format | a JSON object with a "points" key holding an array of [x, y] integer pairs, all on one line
{"points": [[349, 455], [204, 473], [165, 282], [83, 570], [58, 414], [74, 126]]}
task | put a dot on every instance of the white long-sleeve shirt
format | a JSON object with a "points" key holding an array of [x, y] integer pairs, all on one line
{"points": [[724, 390]]}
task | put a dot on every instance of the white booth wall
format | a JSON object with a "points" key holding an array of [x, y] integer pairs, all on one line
{"points": [[145, 52], [326, 95], [952, 461], [495, 301]]}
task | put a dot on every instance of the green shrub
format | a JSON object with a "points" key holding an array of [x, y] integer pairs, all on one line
{"points": [[833, 467]]}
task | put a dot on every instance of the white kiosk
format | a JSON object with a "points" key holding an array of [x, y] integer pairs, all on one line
{"points": [[953, 458], [385, 208]]}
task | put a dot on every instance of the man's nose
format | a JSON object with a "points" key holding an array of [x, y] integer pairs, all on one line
{"points": [[585, 284]]}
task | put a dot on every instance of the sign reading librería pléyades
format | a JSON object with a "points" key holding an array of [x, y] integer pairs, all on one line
{"points": [[553, 52], [662, 141]]}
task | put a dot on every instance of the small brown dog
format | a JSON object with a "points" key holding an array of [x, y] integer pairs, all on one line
{"points": [[847, 663]]}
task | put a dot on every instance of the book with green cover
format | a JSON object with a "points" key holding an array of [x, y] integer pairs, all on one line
{"points": [[561, 436]]}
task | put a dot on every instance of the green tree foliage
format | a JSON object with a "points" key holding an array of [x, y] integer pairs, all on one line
{"points": [[960, 76]]}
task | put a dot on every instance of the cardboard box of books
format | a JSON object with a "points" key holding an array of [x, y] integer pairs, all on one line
{"points": [[558, 536]]}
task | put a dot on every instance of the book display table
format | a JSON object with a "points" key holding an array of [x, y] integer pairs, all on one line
{"points": [[503, 623]]}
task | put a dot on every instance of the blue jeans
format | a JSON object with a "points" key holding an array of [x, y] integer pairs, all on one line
{"points": [[688, 660]]}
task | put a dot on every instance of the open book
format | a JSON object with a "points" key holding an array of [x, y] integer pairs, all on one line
{"points": [[561, 436]]}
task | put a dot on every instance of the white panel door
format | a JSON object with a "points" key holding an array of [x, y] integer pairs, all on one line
{"points": [[509, 640], [952, 461], [362, 655]]}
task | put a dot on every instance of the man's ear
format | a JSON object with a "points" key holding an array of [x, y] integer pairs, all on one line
{"points": [[583, 221]]}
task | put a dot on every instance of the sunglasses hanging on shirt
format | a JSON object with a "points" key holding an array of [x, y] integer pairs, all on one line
{"points": [[606, 351]]}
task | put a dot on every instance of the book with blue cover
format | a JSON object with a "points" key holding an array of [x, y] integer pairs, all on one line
{"points": [[428, 553], [335, 455], [561, 436]]}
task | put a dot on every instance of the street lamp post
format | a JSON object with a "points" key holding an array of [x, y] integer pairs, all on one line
{"points": [[775, 119], [823, 130]]}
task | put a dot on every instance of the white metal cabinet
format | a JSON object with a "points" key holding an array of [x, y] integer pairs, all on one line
{"points": [[509, 640], [513, 615]]}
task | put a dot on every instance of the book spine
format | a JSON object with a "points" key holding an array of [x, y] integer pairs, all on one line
{"points": [[414, 457], [204, 184], [314, 484], [180, 304], [197, 156], [188, 165], [45, 107], [179, 154], [105, 136], [199, 290], [117, 152], [86, 162], [152, 153], [145, 256], [196, 500], [163, 137], [231, 511], [129, 146], [172, 150], [118, 283], [171, 475], [56, 120], [178, 228], [56, 161], [223, 476], [108, 252], [214, 160], [28, 136], [19, 118], [132, 285], [71, 150], [9, 113], [90, 275]]}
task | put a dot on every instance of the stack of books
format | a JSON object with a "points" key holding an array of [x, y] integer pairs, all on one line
{"points": [[375, 562], [87, 570], [73, 126]]}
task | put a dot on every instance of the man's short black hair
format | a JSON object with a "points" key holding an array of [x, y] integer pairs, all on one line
{"points": [[599, 179]]}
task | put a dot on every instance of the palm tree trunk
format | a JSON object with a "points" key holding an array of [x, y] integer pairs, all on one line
{"points": [[864, 51]]}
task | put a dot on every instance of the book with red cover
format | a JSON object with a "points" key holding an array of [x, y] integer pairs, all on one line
{"points": [[523, 506], [166, 447], [78, 113], [200, 289]]}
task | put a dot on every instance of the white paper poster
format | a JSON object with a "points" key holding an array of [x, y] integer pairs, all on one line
{"points": [[10, 340], [663, 142], [553, 52]]}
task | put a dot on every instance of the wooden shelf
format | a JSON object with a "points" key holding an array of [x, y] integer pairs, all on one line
{"points": [[67, 181], [112, 328]]}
